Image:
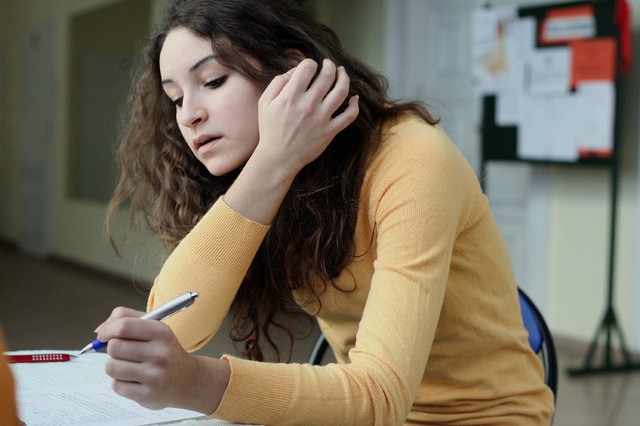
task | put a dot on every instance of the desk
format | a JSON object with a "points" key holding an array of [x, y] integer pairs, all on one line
{"points": [[79, 392]]}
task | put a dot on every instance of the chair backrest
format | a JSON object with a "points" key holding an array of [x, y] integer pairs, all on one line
{"points": [[318, 351], [540, 340]]}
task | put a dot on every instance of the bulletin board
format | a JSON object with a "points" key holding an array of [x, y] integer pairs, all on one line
{"points": [[547, 77]]}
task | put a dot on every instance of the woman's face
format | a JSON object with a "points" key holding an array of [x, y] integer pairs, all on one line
{"points": [[216, 107]]}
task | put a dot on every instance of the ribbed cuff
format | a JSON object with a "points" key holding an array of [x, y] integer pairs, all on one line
{"points": [[238, 237], [258, 392]]}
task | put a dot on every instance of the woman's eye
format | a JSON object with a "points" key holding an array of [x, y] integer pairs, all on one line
{"points": [[216, 83]]}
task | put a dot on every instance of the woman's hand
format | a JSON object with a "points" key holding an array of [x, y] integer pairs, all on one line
{"points": [[296, 113], [149, 366], [297, 121]]}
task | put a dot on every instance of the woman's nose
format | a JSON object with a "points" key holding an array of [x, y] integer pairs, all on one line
{"points": [[191, 113]]}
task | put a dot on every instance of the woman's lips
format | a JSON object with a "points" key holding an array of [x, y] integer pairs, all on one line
{"points": [[204, 143]]}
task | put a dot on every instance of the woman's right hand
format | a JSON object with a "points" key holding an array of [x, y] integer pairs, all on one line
{"points": [[148, 365], [296, 113]]}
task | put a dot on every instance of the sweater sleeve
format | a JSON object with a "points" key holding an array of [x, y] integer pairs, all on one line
{"points": [[416, 195], [211, 260]]}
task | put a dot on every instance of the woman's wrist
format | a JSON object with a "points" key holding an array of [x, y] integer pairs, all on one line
{"points": [[210, 385], [260, 188]]}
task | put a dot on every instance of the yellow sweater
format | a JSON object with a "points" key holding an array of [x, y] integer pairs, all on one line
{"points": [[432, 332]]}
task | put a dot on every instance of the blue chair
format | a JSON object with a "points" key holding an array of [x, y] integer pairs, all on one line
{"points": [[540, 340]]}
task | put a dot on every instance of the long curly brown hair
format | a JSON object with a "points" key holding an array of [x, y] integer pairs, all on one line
{"points": [[169, 190]]}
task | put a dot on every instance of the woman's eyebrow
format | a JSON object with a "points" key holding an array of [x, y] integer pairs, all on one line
{"points": [[194, 67]]}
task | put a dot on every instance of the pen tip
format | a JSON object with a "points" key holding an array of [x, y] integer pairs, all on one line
{"points": [[85, 349]]}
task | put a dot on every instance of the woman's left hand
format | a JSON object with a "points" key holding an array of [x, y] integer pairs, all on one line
{"points": [[299, 116], [149, 366], [298, 113]]}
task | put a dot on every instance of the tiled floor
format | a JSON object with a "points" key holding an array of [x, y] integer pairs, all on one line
{"points": [[56, 305]]}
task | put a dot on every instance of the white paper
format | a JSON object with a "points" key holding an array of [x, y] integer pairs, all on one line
{"points": [[495, 45], [597, 100], [559, 126], [525, 33], [550, 70], [563, 28], [522, 32], [78, 392], [552, 129], [508, 109]]}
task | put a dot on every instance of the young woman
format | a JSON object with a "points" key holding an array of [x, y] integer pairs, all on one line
{"points": [[281, 177]]}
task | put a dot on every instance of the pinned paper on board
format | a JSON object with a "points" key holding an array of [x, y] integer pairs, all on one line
{"points": [[556, 99], [494, 48], [550, 71], [593, 60], [566, 24], [567, 127]]}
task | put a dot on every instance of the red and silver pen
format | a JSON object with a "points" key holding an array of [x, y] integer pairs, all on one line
{"points": [[14, 359]]}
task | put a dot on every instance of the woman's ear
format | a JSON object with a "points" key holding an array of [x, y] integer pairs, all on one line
{"points": [[295, 56]]}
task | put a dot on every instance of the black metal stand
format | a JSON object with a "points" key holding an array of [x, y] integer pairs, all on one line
{"points": [[609, 325]]}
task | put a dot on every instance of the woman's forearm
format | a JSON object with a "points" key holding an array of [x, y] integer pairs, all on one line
{"points": [[259, 190]]}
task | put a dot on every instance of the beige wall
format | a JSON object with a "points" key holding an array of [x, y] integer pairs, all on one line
{"points": [[77, 225], [579, 203]]}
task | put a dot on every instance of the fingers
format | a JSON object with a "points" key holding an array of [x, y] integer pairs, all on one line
{"points": [[338, 94], [346, 117], [132, 390], [300, 77], [330, 88], [301, 112], [136, 381], [144, 369], [275, 87], [124, 370], [330, 84], [335, 96], [122, 312], [132, 328], [119, 312], [325, 79], [139, 358]]}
